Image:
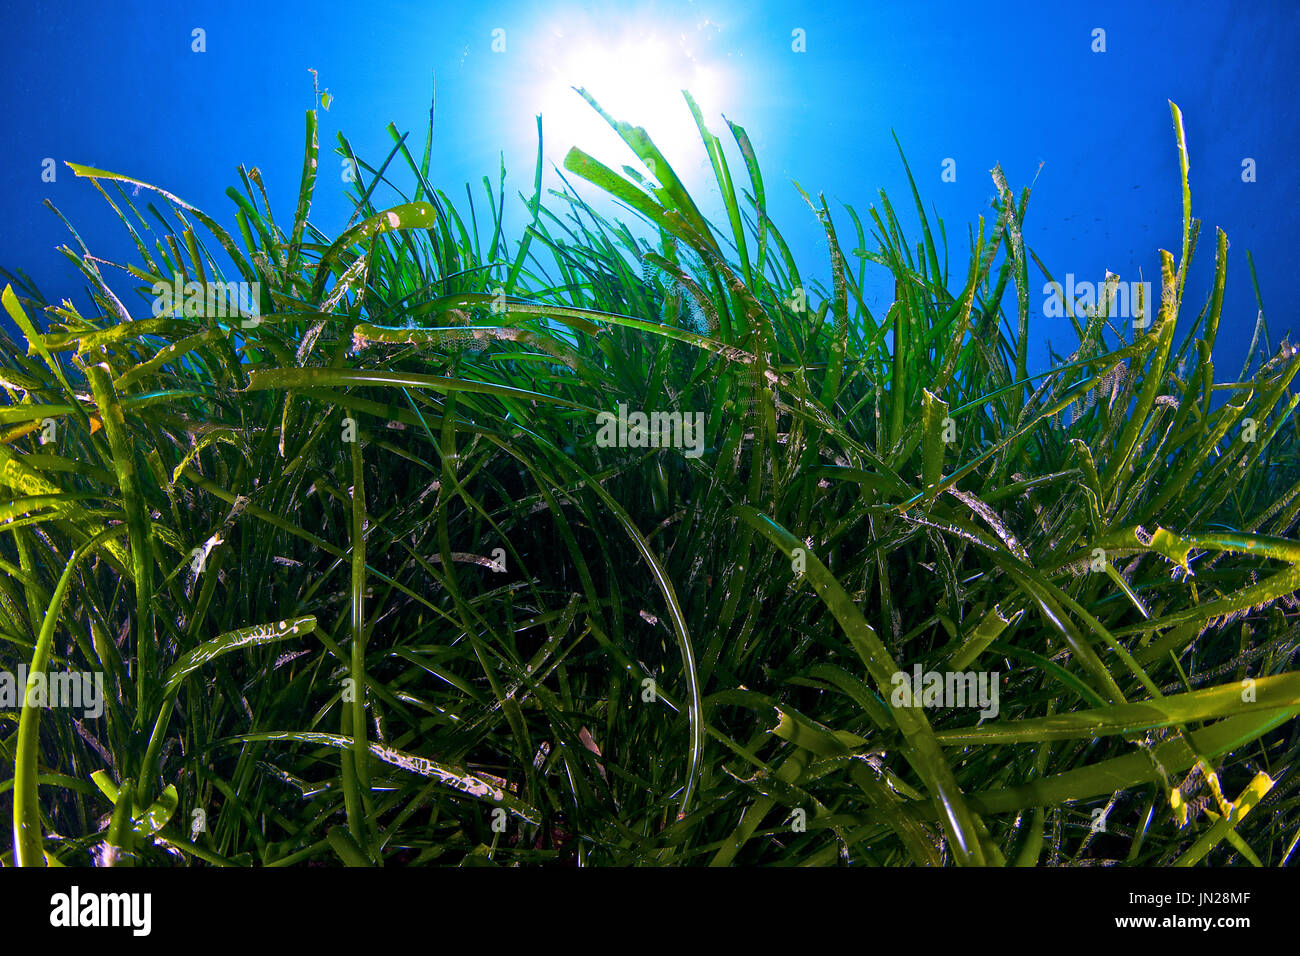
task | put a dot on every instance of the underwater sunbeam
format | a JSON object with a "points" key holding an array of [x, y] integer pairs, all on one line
{"points": [[635, 71]]}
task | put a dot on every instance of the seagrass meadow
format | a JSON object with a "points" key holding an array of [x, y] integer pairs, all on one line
{"points": [[362, 588]]}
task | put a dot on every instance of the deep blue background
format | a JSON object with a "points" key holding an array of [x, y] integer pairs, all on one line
{"points": [[117, 86]]}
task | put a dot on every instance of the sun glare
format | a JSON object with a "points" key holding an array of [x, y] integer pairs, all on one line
{"points": [[635, 75]]}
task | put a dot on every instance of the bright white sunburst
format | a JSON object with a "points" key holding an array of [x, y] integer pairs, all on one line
{"points": [[636, 74]]}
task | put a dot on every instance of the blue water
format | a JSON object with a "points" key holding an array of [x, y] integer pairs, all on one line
{"points": [[118, 86]]}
